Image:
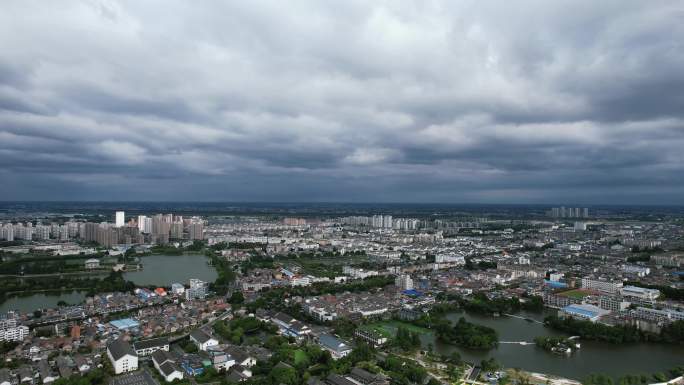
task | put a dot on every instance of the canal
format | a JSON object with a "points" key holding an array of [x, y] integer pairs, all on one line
{"points": [[593, 357]]}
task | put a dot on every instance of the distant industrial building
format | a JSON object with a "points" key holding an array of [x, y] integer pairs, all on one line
{"points": [[640, 294]]}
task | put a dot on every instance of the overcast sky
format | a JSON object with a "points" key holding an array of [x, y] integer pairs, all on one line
{"points": [[368, 101]]}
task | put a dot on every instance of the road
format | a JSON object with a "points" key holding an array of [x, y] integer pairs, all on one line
{"points": [[207, 325], [523, 318], [443, 380]]}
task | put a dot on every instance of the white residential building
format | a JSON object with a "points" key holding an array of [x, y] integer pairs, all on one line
{"points": [[147, 347], [10, 331], [602, 285], [122, 356], [119, 219], [404, 282], [640, 271]]}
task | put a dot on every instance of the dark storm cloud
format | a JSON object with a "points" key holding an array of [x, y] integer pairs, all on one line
{"points": [[443, 101]]}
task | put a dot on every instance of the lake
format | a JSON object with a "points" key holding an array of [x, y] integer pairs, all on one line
{"points": [[163, 270], [158, 270], [593, 357], [40, 301]]}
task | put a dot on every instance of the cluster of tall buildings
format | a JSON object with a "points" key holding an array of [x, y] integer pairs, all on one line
{"points": [[404, 282], [10, 330], [161, 228], [107, 234], [40, 232], [290, 221], [197, 290], [383, 222], [388, 222], [569, 212], [158, 229]]}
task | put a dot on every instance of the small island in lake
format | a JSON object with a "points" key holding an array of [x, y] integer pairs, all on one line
{"points": [[557, 345]]}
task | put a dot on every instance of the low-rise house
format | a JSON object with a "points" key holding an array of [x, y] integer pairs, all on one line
{"points": [[25, 374], [161, 356], [222, 361], [236, 376], [367, 378], [6, 377], [241, 357], [290, 326], [192, 365], [336, 379], [165, 363], [92, 263], [202, 339], [81, 364], [371, 337], [170, 371], [47, 375], [64, 365]]}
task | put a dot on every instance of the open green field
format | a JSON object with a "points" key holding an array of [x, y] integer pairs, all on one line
{"points": [[389, 328], [300, 356], [576, 293], [323, 266]]}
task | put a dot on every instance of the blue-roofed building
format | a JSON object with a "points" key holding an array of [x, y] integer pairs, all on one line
{"points": [[335, 346], [555, 284], [192, 364], [288, 273], [412, 293], [583, 312], [125, 324]]}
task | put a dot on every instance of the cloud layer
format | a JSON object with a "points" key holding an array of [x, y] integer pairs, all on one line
{"points": [[435, 101]]}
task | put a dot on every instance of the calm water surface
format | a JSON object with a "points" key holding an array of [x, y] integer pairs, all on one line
{"points": [[160, 270], [593, 357], [40, 301], [163, 270]]}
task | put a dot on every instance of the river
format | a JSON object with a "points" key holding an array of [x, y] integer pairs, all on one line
{"points": [[593, 357], [160, 270]]}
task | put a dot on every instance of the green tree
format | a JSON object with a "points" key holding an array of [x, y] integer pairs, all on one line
{"points": [[283, 374], [237, 298]]}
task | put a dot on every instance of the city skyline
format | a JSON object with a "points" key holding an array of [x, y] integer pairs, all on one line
{"points": [[573, 103]]}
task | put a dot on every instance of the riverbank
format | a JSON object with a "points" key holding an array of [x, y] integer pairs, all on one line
{"points": [[534, 378]]}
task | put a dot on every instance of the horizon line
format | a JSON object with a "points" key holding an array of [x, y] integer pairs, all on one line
{"points": [[356, 202]]}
